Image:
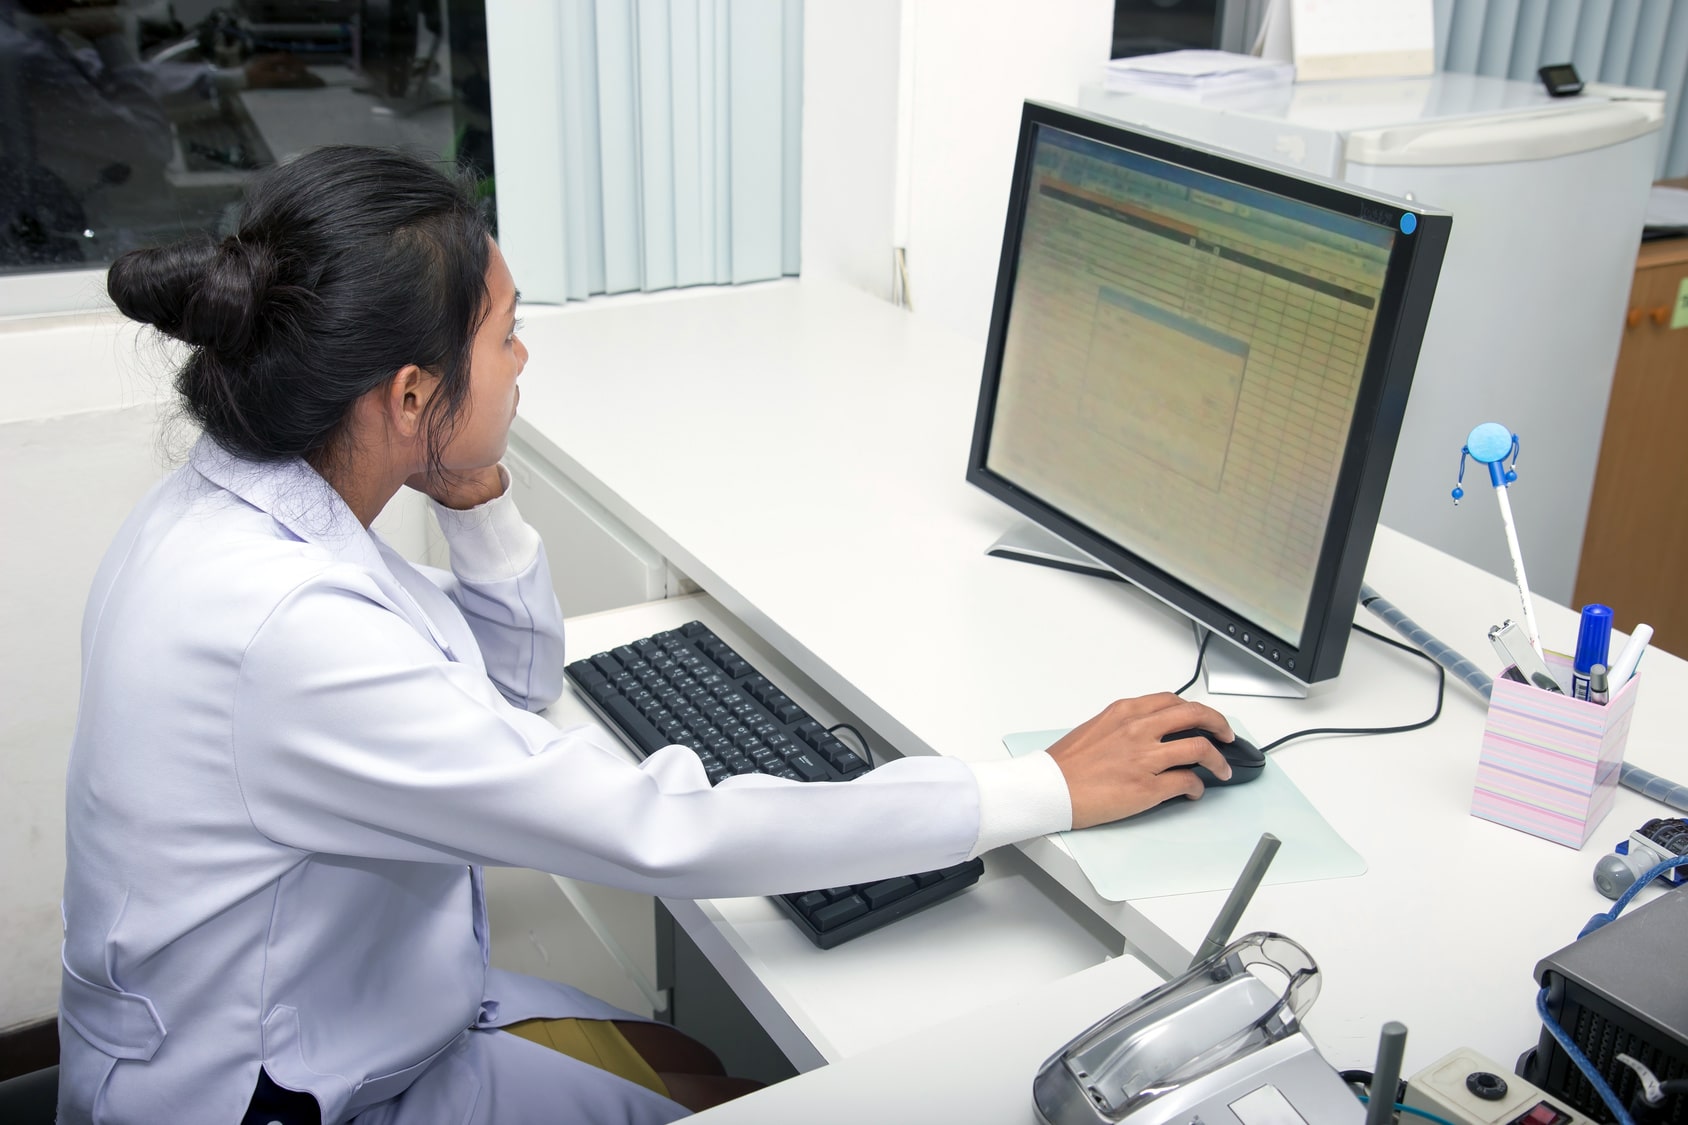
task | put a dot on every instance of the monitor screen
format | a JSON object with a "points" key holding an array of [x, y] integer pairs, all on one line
{"points": [[1196, 372]]}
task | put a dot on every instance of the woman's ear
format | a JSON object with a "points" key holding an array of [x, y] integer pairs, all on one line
{"points": [[407, 397]]}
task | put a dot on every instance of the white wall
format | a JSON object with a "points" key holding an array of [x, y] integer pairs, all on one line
{"points": [[82, 400], [974, 63], [850, 55], [969, 65]]}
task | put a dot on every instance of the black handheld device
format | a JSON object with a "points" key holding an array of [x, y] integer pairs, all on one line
{"points": [[1561, 79]]}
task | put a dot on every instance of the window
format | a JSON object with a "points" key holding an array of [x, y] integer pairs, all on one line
{"points": [[126, 123]]}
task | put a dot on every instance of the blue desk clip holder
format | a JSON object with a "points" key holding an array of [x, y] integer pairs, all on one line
{"points": [[1491, 444]]}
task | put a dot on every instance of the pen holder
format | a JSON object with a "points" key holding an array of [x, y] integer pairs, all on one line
{"points": [[1550, 763]]}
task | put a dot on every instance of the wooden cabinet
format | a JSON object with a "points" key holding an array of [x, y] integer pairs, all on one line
{"points": [[1635, 550]]}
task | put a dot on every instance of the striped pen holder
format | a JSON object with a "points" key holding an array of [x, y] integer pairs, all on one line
{"points": [[1550, 763]]}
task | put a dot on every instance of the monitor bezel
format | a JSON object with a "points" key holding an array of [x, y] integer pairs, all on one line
{"points": [[1386, 378]]}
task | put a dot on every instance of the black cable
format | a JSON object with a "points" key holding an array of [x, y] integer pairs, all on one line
{"points": [[866, 753], [1201, 652], [1441, 686]]}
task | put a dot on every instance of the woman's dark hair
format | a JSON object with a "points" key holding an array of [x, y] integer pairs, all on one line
{"points": [[348, 264]]}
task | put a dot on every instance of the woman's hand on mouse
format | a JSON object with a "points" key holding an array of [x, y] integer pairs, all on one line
{"points": [[1116, 764]]}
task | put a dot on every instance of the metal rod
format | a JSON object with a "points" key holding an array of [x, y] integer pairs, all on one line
{"points": [[1229, 914], [1386, 1075]]}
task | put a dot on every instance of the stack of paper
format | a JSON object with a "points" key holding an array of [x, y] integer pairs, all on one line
{"points": [[1667, 212], [1195, 74]]}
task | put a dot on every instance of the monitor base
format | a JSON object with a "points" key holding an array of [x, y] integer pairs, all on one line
{"points": [[1027, 542], [1227, 670]]}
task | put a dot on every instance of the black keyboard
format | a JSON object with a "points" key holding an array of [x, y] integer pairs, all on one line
{"points": [[690, 687]]}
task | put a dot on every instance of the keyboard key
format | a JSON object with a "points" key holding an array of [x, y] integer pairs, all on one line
{"points": [[807, 768], [833, 894], [648, 739], [928, 878], [810, 731], [837, 913], [607, 664], [888, 891], [809, 903], [788, 712], [695, 629], [586, 672], [848, 764]]}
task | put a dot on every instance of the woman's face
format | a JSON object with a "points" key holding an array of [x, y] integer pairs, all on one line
{"points": [[483, 429]]}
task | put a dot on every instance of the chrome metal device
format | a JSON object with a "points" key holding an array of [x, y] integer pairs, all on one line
{"points": [[1222, 1041]]}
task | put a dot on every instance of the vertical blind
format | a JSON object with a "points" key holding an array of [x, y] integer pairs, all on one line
{"points": [[651, 144], [1624, 42]]}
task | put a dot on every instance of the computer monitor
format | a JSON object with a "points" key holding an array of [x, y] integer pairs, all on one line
{"points": [[1195, 374]]}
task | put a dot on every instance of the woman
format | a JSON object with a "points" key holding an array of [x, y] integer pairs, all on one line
{"points": [[295, 750]]}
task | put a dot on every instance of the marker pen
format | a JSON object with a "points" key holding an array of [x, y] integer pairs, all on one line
{"points": [[1594, 636], [1624, 667]]}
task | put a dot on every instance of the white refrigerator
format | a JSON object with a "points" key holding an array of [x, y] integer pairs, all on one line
{"points": [[1547, 196]]}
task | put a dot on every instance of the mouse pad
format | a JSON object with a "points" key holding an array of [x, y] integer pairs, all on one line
{"points": [[1184, 846]]}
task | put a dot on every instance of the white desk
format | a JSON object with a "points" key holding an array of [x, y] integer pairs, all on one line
{"points": [[799, 449]]}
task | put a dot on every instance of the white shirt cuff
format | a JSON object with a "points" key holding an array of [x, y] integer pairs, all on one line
{"points": [[1020, 798], [489, 542]]}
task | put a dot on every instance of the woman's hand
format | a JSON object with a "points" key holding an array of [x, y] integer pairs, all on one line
{"points": [[1116, 764], [461, 488]]}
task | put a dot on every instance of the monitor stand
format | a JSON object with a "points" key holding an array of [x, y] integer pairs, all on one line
{"points": [[1227, 671]]}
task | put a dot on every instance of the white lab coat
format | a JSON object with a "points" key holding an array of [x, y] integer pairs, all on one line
{"points": [[293, 751]]}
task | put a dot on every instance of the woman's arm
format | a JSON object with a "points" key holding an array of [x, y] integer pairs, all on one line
{"points": [[501, 581], [381, 747]]}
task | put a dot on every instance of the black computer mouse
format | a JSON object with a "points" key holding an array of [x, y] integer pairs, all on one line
{"points": [[1247, 763]]}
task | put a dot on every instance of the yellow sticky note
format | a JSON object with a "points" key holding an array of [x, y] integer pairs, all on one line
{"points": [[1679, 318]]}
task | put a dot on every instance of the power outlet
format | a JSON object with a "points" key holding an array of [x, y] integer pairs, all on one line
{"points": [[1468, 1089]]}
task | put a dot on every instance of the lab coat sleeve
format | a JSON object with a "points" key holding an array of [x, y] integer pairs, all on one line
{"points": [[376, 746], [501, 580]]}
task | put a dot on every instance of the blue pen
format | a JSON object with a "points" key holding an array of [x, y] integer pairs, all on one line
{"points": [[1594, 637]]}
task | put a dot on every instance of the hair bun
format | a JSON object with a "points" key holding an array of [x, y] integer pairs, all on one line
{"points": [[204, 294], [154, 285]]}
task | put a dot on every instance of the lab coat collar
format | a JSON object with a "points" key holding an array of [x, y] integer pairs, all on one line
{"points": [[296, 496]]}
